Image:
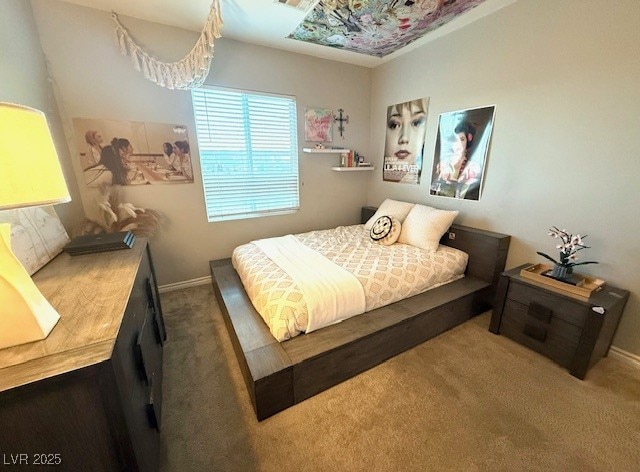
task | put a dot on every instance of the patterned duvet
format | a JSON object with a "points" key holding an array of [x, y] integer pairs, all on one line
{"points": [[387, 274]]}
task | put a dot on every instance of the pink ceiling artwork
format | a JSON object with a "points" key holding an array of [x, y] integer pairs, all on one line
{"points": [[376, 27]]}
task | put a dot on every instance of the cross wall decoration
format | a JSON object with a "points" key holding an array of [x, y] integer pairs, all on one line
{"points": [[341, 120]]}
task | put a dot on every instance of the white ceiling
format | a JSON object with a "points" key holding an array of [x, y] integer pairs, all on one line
{"points": [[267, 23]]}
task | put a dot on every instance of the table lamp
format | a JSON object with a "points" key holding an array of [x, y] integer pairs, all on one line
{"points": [[30, 175]]}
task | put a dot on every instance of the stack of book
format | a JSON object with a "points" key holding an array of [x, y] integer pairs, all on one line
{"points": [[352, 159], [347, 159]]}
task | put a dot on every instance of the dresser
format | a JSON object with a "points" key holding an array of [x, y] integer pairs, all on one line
{"points": [[89, 396], [573, 332]]}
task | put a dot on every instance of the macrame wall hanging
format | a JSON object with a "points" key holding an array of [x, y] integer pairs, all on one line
{"points": [[188, 73]]}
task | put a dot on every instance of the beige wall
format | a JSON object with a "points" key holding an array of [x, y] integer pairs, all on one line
{"points": [[24, 80], [95, 81], [564, 77]]}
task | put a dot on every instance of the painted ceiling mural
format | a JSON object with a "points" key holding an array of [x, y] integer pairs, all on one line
{"points": [[376, 27]]}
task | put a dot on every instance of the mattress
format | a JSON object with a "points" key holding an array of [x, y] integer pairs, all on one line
{"points": [[387, 274]]}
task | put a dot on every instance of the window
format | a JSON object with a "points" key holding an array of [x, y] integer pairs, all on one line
{"points": [[248, 151]]}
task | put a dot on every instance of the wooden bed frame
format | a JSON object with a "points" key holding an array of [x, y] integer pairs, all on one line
{"points": [[280, 374]]}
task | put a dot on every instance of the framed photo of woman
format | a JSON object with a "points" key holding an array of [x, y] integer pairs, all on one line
{"points": [[461, 152], [406, 127]]}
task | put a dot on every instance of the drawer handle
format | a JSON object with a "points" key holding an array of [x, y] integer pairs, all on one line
{"points": [[145, 346], [535, 332], [139, 355], [152, 414], [154, 303], [539, 312]]}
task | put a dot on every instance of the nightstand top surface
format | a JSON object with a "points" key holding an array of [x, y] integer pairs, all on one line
{"points": [[607, 296]]}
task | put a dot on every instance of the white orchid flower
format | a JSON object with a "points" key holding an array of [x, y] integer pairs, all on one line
{"points": [[570, 245], [110, 216], [129, 209]]}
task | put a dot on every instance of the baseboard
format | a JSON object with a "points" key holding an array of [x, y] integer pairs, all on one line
{"points": [[624, 356], [185, 284]]}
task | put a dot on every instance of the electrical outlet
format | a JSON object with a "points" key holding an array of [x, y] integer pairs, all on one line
{"points": [[452, 235]]}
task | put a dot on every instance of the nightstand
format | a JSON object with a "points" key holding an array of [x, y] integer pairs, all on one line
{"points": [[574, 333]]}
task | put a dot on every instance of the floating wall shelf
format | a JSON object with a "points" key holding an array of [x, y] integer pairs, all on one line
{"points": [[352, 169], [337, 151], [324, 151]]}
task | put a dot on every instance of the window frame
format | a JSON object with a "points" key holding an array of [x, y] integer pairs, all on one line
{"points": [[295, 151]]}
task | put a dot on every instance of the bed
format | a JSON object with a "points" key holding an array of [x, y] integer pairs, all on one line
{"points": [[281, 374]]}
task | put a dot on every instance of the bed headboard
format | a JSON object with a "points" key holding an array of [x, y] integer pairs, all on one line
{"points": [[487, 250]]}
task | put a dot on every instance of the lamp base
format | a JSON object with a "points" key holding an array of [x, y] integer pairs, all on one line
{"points": [[25, 315]]}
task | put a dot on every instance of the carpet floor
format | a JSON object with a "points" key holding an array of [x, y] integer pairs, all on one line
{"points": [[467, 400]]}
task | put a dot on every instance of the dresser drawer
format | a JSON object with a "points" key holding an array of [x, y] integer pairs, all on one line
{"points": [[555, 339], [572, 312]]}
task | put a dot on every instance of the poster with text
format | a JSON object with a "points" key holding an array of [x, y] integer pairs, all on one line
{"points": [[405, 139], [461, 152], [132, 152]]}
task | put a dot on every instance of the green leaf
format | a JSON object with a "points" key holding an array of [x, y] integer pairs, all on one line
{"points": [[547, 257]]}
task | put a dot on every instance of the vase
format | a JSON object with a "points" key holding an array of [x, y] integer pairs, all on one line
{"points": [[559, 272]]}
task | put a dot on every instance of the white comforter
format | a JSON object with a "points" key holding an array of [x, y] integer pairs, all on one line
{"points": [[332, 294], [386, 273]]}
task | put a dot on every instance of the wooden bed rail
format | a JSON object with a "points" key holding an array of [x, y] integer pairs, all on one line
{"points": [[281, 374]]}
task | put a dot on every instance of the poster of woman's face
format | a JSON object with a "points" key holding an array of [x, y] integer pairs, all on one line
{"points": [[404, 144], [132, 152], [461, 152]]}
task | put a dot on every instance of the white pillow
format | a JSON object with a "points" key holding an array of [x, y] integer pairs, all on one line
{"points": [[399, 210], [385, 230], [424, 226]]}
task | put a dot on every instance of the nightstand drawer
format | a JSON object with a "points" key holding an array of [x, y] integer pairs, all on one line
{"points": [[572, 312], [574, 333], [555, 339]]}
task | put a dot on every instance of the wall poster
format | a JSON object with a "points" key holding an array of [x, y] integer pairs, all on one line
{"points": [[461, 151], [132, 152], [404, 144], [318, 125]]}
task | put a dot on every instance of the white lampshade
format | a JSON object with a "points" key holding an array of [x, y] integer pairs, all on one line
{"points": [[30, 175], [30, 172]]}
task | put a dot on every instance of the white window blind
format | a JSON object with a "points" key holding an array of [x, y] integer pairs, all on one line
{"points": [[248, 151]]}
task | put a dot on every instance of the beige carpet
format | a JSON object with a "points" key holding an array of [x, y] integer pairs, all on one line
{"points": [[467, 400]]}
